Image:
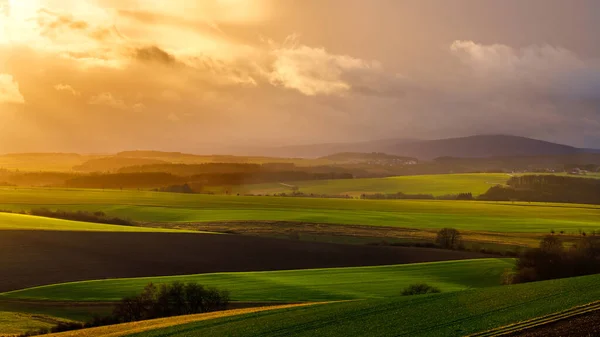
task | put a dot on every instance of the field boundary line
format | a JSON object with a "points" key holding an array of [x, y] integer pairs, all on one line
{"points": [[540, 321]]}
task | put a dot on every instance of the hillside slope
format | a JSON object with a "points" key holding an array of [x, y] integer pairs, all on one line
{"points": [[448, 314], [480, 146]]}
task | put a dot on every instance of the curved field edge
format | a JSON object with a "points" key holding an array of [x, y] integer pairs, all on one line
{"points": [[294, 285], [15, 323], [169, 207], [9, 221], [450, 314], [136, 327]]}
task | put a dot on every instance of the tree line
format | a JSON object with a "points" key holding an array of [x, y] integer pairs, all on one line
{"points": [[404, 196], [552, 260], [83, 216], [546, 188]]}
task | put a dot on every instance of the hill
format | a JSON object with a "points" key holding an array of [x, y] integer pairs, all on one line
{"points": [[73, 255], [449, 314], [10, 221], [41, 161], [480, 146], [72, 300], [110, 164], [293, 285], [374, 158], [437, 185], [322, 150], [160, 207]]}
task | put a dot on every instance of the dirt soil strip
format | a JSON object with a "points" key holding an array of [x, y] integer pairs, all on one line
{"points": [[587, 325], [136, 327], [517, 329], [36, 258], [285, 228]]}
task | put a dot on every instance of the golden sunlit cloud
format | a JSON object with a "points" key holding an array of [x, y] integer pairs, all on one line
{"points": [[67, 88], [107, 99], [9, 90], [189, 71], [314, 71]]}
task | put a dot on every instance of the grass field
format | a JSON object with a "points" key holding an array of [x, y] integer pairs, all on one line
{"points": [[447, 314], [142, 326], [294, 286], [13, 323], [10, 221], [436, 185], [168, 207]]}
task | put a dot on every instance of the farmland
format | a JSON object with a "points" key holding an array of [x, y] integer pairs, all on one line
{"points": [[175, 234], [437, 185], [295, 285], [100, 255], [168, 208], [447, 314], [10, 221], [74, 300]]}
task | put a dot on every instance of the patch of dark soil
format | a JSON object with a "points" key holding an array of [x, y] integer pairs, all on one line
{"points": [[587, 325], [33, 258]]}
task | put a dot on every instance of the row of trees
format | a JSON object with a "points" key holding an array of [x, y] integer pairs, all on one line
{"points": [[84, 216], [547, 188], [554, 260], [404, 196], [161, 179]]}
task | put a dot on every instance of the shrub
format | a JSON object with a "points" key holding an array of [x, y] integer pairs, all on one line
{"points": [[419, 289]]}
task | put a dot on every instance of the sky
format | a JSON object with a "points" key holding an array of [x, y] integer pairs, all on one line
{"points": [[211, 76]]}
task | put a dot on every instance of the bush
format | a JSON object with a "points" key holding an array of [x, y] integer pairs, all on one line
{"points": [[419, 289]]}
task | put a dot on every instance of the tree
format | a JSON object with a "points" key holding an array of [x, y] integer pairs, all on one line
{"points": [[449, 238], [551, 244]]}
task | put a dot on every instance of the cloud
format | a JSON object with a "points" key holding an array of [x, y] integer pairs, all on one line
{"points": [[107, 99], [67, 88], [540, 70], [314, 71], [50, 22], [505, 61], [154, 54], [9, 90]]}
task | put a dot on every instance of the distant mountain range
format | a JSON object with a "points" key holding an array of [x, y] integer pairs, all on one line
{"points": [[481, 146]]}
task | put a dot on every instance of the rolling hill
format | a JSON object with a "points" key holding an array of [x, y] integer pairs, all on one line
{"points": [[457, 313], [479, 146]]}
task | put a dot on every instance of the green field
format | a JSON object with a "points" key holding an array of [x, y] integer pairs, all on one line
{"points": [[441, 184], [296, 285], [447, 314], [10, 221], [429, 214]]}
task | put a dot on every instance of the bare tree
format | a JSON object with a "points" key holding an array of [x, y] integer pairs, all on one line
{"points": [[448, 238]]}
